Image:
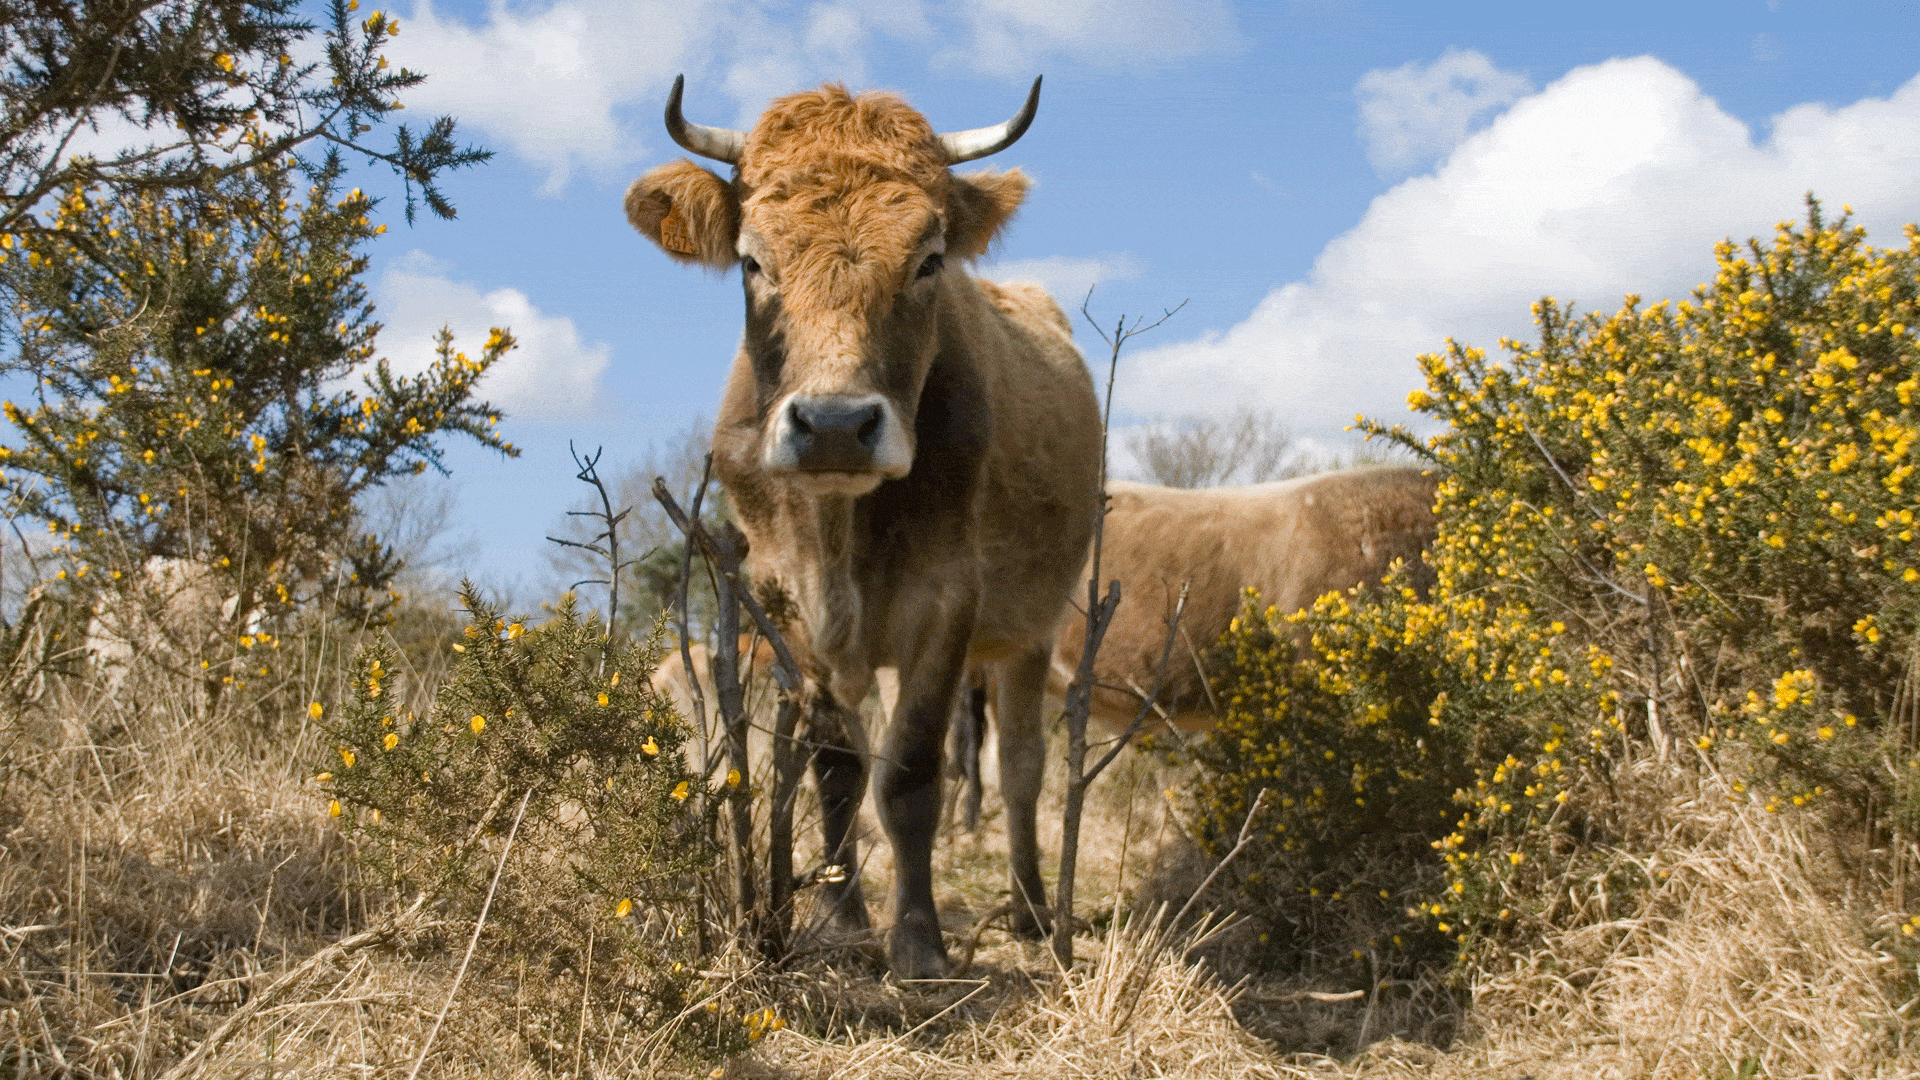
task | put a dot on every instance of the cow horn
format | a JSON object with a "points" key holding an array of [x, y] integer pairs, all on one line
{"points": [[720, 144], [978, 143]]}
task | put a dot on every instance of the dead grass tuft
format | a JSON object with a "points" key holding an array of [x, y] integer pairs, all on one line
{"points": [[1746, 953], [1137, 1007], [170, 882]]}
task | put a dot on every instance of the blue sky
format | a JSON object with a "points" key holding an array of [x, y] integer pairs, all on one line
{"points": [[1333, 187]]}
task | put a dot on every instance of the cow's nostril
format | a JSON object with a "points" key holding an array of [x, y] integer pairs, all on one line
{"points": [[832, 433]]}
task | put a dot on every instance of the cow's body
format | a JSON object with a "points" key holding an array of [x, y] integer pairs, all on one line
{"points": [[1293, 540], [913, 455], [174, 613]]}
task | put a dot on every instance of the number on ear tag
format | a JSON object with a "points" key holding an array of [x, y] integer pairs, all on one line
{"points": [[674, 235]]}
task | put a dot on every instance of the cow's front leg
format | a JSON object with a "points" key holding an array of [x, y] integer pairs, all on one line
{"points": [[839, 752], [906, 786], [1023, 757]]}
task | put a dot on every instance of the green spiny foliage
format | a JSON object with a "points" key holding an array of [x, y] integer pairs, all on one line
{"points": [[214, 89], [614, 829], [1679, 531], [185, 307]]}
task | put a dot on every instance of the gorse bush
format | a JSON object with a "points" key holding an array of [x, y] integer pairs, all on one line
{"points": [[190, 404], [201, 403], [600, 877], [1683, 531]]}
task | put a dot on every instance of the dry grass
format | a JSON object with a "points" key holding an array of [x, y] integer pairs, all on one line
{"points": [[1136, 1008], [165, 876], [1755, 954]]}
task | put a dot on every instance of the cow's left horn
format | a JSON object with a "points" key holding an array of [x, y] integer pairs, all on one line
{"points": [[978, 143], [720, 144]]}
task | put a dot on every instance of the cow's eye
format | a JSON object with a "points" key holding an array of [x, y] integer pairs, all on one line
{"points": [[749, 264], [930, 266]]}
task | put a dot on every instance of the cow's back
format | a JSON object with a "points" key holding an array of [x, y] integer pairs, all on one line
{"points": [[1293, 540]]}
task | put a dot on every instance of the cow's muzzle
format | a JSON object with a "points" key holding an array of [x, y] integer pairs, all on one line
{"points": [[838, 433]]}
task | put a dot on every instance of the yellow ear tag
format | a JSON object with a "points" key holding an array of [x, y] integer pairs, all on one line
{"points": [[674, 235]]}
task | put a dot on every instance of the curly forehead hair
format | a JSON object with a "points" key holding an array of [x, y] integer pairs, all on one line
{"points": [[875, 129]]}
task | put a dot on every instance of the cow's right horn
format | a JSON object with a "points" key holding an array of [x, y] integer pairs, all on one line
{"points": [[720, 144], [978, 143]]}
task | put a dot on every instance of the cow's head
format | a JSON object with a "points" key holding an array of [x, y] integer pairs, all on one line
{"points": [[843, 217]]}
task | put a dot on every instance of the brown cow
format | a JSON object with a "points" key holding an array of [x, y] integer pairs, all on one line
{"points": [[1293, 540], [673, 681], [912, 453]]}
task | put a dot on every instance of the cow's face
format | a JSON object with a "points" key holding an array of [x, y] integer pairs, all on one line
{"points": [[843, 219]]}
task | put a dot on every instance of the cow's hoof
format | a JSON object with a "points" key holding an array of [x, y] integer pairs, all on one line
{"points": [[916, 951], [847, 906]]}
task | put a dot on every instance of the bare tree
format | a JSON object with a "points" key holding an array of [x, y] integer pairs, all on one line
{"points": [[1251, 446], [414, 515], [652, 580]]}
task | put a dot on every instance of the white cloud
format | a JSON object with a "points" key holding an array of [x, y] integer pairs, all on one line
{"points": [[1413, 115], [553, 375], [1617, 178], [1066, 277], [547, 84], [575, 85]]}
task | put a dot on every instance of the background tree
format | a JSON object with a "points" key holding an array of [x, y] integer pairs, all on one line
{"points": [[1249, 447]]}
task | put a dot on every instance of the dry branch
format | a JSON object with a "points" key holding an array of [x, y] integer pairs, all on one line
{"points": [[1079, 705]]}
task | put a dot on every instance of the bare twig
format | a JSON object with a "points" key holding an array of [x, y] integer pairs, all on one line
{"points": [[1149, 702], [1303, 995], [606, 542], [1246, 834], [723, 555], [786, 671], [1099, 611]]}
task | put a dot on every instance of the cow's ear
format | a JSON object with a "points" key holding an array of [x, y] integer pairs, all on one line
{"points": [[692, 214], [978, 204]]}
